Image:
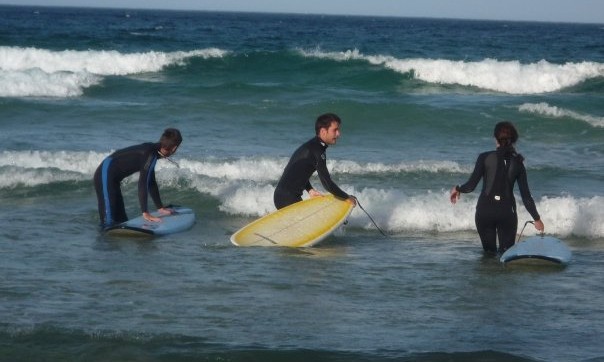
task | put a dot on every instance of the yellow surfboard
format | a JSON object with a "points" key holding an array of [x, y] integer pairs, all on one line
{"points": [[304, 223]]}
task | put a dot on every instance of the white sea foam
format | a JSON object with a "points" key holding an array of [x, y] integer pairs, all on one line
{"points": [[80, 162], [397, 212], [38, 72], [501, 76], [267, 169], [556, 112], [245, 187], [13, 176], [254, 169], [428, 166], [432, 211], [35, 82]]}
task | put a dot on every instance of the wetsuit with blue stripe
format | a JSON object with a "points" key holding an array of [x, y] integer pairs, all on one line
{"points": [[307, 159], [496, 207], [119, 165]]}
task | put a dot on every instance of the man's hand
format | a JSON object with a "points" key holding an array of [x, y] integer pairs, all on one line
{"points": [[314, 193], [352, 200]]}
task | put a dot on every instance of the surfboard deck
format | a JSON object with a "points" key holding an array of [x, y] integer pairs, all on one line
{"points": [[302, 224], [538, 250], [182, 219]]}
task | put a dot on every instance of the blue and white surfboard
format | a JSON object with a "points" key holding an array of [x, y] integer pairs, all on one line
{"points": [[538, 249], [180, 220]]}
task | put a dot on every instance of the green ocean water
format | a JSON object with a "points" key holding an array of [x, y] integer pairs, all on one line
{"points": [[418, 98]]}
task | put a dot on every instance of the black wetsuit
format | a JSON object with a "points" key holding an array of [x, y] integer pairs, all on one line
{"points": [[119, 165], [496, 208], [307, 159]]}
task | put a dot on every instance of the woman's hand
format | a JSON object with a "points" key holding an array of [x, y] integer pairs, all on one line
{"points": [[454, 195], [539, 225]]}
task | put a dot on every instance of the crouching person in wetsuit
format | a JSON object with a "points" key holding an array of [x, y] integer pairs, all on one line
{"points": [[307, 159], [125, 162], [496, 208]]}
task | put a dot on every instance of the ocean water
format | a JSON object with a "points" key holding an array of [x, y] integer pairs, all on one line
{"points": [[418, 99]]}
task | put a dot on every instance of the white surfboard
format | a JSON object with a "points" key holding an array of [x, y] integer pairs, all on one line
{"points": [[182, 219], [538, 250], [302, 224]]}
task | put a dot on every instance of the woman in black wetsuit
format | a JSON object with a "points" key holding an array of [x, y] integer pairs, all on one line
{"points": [[496, 208]]}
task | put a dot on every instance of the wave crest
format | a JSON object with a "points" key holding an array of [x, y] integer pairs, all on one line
{"points": [[556, 112], [33, 72], [432, 212], [245, 186], [253, 169], [510, 77]]}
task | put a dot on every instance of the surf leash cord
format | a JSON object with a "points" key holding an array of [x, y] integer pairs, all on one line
{"points": [[521, 231], [370, 218], [169, 159]]}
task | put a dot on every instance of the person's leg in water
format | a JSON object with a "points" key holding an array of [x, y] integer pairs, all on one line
{"points": [[109, 197], [486, 226], [507, 226]]}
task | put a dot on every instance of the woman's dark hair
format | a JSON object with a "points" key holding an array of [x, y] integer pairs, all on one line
{"points": [[325, 121], [170, 138], [505, 133]]}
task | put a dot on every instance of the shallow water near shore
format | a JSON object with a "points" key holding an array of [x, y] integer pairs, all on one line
{"points": [[418, 98]]}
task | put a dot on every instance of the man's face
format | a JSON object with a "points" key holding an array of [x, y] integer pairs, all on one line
{"points": [[330, 135], [167, 152]]}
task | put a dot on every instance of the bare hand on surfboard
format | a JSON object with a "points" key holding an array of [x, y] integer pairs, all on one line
{"points": [[314, 193], [181, 219], [352, 200]]}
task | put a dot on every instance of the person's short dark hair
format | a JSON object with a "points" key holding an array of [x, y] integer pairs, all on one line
{"points": [[505, 133], [170, 138], [325, 121]]}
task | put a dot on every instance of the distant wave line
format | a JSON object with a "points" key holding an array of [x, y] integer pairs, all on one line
{"points": [[34, 72], [99, 62], [545, 109], [510, 77], [27, 72]]}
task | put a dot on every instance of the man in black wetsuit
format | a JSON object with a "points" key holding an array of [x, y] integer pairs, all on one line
{"points": [[496, 208], [307, 159], [123, 163]]}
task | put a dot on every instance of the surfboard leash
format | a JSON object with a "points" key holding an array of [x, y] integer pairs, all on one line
{"points": [[172, 162], [370, 218], [542, 233], [169, 159], [521, 231]]}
